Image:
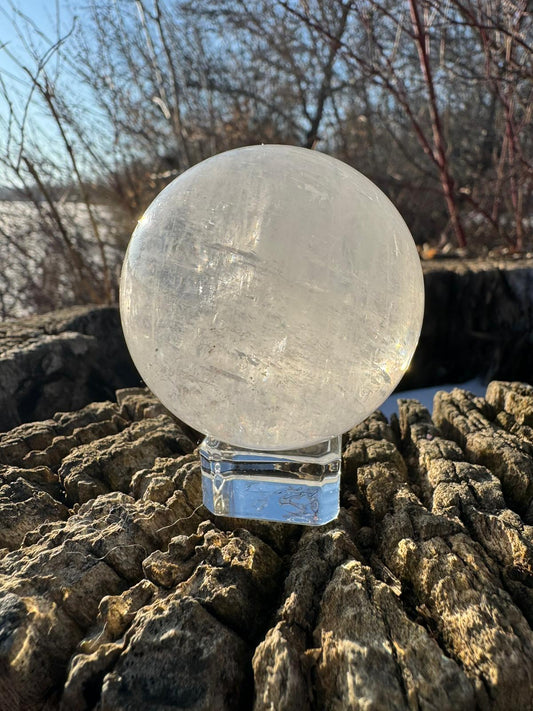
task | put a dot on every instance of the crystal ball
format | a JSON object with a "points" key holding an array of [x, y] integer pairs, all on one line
{"points": [[271, 297]]}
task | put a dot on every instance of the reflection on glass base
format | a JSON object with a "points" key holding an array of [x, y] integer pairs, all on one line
{"points": [[300, 486]]}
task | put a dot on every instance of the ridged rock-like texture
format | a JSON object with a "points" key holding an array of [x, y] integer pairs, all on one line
{"points": [[119, 592], [61, 361]]}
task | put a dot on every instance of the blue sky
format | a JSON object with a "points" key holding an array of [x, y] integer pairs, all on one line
{"points": [[47, 20], [52, 18]]}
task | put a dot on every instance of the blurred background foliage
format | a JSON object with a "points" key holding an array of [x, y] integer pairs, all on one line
{"points": [[431, 100]]}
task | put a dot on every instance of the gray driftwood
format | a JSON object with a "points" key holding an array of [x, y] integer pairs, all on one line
{"points": [[120, 592]]}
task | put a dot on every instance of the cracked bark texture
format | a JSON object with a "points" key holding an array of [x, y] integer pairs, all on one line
{"points": [[119, 591], [61, 361]]}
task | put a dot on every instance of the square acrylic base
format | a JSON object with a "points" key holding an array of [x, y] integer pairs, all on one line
{"points": [[299, 486]]}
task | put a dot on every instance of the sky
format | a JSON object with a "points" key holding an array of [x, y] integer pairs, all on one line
{"points": [[51, 19], [47, 21], [43, 13]]}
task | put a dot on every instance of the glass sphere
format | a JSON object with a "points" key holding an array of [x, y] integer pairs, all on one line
{"points": [[271, 297]]}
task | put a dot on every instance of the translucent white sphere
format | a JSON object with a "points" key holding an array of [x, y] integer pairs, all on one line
{"points": [[271, 297]]}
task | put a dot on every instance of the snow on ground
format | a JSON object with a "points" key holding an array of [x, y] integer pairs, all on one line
{"points": [[425, 395]]}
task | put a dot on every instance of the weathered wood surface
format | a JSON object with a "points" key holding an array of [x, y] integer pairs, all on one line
{"points": [[61, 361], [118, 591], [478, 321]]}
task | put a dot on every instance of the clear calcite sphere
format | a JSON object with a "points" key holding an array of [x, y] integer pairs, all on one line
{"points": [[271, 297]]}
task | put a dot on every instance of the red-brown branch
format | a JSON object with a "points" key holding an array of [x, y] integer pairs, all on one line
{"points": [[439, 147]]}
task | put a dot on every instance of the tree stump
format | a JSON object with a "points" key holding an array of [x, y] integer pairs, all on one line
{"points": [[119, 591], [61, 360]]}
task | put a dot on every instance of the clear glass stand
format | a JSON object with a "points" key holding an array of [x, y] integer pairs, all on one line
{"points": [[300, 486]]}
